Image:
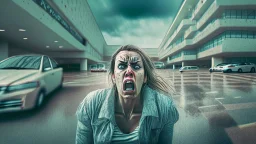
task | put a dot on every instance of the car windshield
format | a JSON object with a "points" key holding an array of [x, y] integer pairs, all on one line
{"points": [[93, 66], [21, 62], [100, 66]]}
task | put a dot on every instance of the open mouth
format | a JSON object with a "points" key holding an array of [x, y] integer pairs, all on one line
{"points": [[128, 86]]}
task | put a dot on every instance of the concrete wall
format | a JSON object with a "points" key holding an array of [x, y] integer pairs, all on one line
{"points": [[3, 50], [239, 45], [39, 14], [216, 61], [79, 13], [17, 50], [8, 50]]}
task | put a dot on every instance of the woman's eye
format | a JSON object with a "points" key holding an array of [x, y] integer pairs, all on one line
{"points": [[121, 66], [136, 67]]}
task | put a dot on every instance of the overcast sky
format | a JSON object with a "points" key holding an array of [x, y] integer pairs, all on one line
{"points": [[140, 22]]}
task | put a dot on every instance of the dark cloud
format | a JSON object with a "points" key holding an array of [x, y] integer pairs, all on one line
{"points": [[109, 14], [123, 17], [133, 9]]}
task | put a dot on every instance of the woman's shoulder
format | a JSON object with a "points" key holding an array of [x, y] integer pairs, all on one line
{"points": [[96, 95], [167, 107], [163, 99]]}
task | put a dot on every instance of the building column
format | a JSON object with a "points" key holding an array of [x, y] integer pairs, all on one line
{"points": [[173, 66], [83, 65], [216, 60], [183, 63], [4, 52]]}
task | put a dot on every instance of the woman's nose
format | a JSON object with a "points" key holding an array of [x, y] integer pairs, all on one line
{"points": [[129, 72]]}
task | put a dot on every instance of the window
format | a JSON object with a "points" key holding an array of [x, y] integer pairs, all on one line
{"points": [[22, 62], [233, 14], [244, 34], [228, 13], [244, 14], [233, 34], [238, 14], [251, 14], [46, 63], [54, 64], [250, 34]]}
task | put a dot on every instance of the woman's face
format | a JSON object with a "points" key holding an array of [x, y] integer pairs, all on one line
{"points": [[128, 74]]}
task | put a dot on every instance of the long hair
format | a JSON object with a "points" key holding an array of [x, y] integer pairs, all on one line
{"points": [[154, 81]]}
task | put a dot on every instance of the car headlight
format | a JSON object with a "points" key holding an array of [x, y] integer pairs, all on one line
{"points": [[22, 86]]}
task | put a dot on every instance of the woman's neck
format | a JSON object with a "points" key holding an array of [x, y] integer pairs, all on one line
{"points": [[128, 106]]}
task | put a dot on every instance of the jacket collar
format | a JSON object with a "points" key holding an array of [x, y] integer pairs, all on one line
{"points": [[107, 109], [149, 104]]}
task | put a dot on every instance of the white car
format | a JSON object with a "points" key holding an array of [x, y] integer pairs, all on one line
{"points": [[188, 68], [25, 80], [240, 67], [159, 65], [218, 67], [98, 68]]}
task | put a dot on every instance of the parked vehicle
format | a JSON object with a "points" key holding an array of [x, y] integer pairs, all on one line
{"points": [[189, 68], [25, 80], [240, 67], [98, 68], [159, 65], [218, 67]]}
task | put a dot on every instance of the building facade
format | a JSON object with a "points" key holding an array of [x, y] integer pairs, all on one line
{"points": [[208, 32]]}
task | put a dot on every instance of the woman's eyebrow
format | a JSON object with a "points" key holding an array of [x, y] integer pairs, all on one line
{"points": [[134, 59], [135, 62], [121, 61]]}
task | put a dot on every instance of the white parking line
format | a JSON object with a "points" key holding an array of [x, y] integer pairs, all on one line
{"points": [[240, 106], [238, 97], [219, 98], [207, 106], [211, 92], [69, 82]]}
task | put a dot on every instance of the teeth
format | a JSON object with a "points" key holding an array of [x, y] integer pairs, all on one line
{"points": [[129, 89], [129, 85], [128, 82]]}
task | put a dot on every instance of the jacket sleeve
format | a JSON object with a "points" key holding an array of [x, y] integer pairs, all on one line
{"points": [[166, 134], [84, 134]]}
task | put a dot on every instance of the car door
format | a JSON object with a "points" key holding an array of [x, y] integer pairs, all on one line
{"points": [[248, 67], [243, 66], [47, 74], [57, 74]]}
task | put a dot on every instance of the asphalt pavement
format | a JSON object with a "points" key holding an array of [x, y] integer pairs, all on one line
{"points": [[214, 108]]}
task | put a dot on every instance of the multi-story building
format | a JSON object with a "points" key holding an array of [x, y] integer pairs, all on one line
{"points": [[209, 32]]}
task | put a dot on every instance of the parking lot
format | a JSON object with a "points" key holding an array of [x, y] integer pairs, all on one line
{"points": [[213, 107]]}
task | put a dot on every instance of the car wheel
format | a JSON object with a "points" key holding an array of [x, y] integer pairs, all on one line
{"points": [[210, 71], [240, 70], [252, 70], [40, 99], [229, 70]]}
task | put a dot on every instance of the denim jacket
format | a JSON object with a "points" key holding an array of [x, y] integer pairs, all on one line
{"points": [[96, 118]]}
